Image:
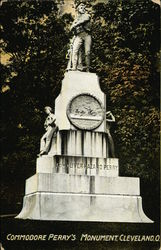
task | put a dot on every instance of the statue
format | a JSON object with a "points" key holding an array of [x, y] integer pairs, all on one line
{"points": [[69, 56], [51, 128], [81, 29], [110, 118]]}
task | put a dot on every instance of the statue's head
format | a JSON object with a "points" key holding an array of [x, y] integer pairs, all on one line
{"points": [[48, 110], [81, 7]]}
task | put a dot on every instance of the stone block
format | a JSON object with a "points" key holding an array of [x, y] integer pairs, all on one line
{"points": [[78, 165], [46, 164], [76, 83], [65, 183], [76, 143], [83, 207]]}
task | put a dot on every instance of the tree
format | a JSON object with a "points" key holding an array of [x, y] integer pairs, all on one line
{"points": [[125, 55], [35, 38]]}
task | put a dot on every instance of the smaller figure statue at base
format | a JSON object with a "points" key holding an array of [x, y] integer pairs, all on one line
{"points": [[110, 118], [81, 30], [51, 128]]}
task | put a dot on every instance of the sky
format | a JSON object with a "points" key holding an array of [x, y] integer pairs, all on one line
{"points": [[68, 6]]}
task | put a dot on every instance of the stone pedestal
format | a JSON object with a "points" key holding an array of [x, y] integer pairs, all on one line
{"points": [[83, 207], [78, 180], [77, 83]]}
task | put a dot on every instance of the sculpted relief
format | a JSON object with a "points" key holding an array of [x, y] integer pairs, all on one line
{"points": [[85, 112]]}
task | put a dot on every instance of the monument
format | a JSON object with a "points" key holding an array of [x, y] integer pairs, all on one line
{"points": [[77, 174]]}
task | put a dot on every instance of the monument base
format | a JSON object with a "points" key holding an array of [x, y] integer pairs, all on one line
{"points": [[83, 207]]}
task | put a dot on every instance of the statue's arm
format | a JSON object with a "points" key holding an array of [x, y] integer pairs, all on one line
{"points": [[52, 120], [83, 19], [45, 124], [111, 117]]}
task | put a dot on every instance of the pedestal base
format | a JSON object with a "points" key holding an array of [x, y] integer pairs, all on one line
{"points": [[83, 207]]}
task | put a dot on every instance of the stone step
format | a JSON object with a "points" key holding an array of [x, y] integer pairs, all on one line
{"points": [[82, 184], [83, 207]]}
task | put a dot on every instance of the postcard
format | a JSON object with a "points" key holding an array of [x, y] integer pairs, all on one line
{"points": [[80, 124]]}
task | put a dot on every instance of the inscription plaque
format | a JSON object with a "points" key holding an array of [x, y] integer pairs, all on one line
{"points": [[85, 111]]}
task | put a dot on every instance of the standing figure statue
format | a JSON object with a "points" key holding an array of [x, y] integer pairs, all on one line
{"points": [[110, 118], [82, 37], [51, 128]]}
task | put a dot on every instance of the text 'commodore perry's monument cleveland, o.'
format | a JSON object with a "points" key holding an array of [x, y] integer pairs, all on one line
{"points": [[77, 172]]}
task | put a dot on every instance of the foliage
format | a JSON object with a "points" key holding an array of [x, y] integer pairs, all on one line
{"points": [[125, 50], [34, 37]]}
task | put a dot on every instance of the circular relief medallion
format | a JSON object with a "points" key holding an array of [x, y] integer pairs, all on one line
{"points": [[85, 112]]}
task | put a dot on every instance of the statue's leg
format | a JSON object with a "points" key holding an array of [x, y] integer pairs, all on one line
{"points": [[42, 143], [76, 47], [80, 64], [87, 44], [49, 136]]}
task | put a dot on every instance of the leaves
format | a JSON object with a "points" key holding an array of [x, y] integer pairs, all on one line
{"points": [[125, 56], [34, 36]]}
